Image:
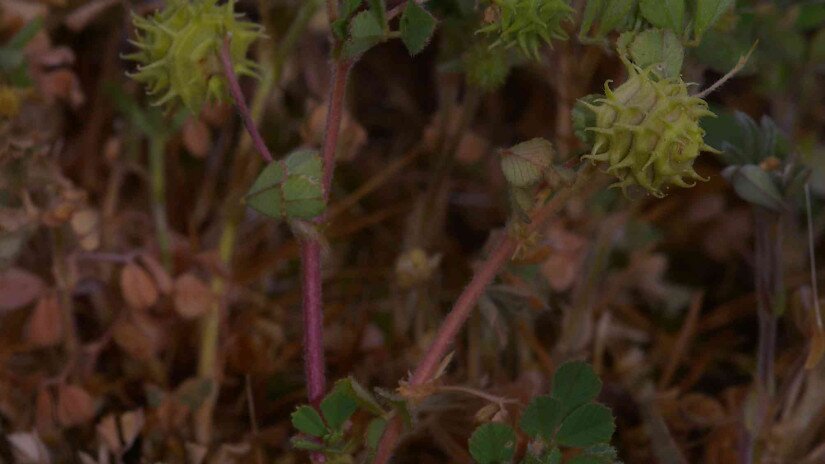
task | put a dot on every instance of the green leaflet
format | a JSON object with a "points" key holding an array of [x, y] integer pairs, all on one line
{"points": [[289, 188]]}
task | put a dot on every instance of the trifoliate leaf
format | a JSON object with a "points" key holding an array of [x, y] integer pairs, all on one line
{"points": [[615, 14], [374, 431], [290, 188], [667, 14], [659, 48], [707, 13], [365, 25], [337, 407], [416, 26], [307, 420], [541, 417], [493, 443], [754, 185], [587, 425], [360, 394], [574, 384]]}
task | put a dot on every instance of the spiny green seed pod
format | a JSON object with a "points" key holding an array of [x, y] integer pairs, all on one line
{"points": [[527, 23], [525, 164], [647, 131], [178, 51]]}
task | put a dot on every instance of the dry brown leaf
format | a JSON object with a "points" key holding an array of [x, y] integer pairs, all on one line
{"points": [[131, 424], [196, 137], [140, 338], [138, 289], [701, 410], [193, 298], [817, 349], [18, 288], [45, 326], [108, 434], [44, 412], [86, 226], [74, 405], [28, 448], [162, 278]]}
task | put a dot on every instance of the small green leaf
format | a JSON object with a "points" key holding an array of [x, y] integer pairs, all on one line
{"points": [[304, 444], [416, 26], [374, 431], [587, 425], [290, 188], [379, 10], [574, 384], [493, 443], [667, 14], [659, 48], [307, 420], [361, 396], [615, 14], [365, 25], [337, 407], [707, 13], [754, 185], [349, 7], [541, 417], [265, 194], [591, 13]]}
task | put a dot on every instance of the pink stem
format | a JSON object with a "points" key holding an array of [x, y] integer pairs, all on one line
{"points": [[313, 320], [240, 102], [340, 73], [313, 305], [461, 311]]}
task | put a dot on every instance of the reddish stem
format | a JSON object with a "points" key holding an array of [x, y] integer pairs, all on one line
{"points": [[312, 304], [335, 110], [461, 311], [240, 102], [313, 320]]}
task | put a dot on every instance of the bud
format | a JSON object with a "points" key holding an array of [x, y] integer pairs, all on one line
{"points": [[525, 164]]}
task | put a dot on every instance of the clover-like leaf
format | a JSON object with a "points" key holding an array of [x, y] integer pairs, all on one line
{"points": [[707, 13], [416, 27], [574, 384], [754, 185], [541, 417], [587, 425], [290, 188], [493, 443], [337, 407], [307, 420], [667, 14]]}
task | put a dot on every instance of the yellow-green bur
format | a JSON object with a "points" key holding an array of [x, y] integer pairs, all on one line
{"points": [[289, 188]]}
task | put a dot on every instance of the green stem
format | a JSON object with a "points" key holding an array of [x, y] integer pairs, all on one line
{"points": [[157, 173], [245, 167]]}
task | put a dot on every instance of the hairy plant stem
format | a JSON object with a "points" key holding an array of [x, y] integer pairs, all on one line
{"points": [[464, 305], [243, 171], [157, 145], [311, 279]]}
